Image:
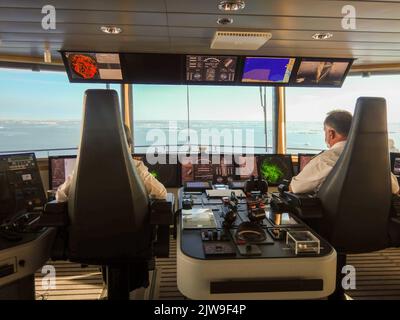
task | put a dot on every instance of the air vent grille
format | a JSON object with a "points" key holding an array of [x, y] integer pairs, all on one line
{"points": [[239, 40]]}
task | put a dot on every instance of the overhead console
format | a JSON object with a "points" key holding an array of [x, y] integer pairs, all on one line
{"points": [[154, 68]]}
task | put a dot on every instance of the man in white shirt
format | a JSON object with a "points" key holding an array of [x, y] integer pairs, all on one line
{"points": [[336, 127], [154, 188]]}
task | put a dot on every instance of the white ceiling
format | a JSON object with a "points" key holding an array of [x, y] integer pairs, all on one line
{"points": [[187, 26]]}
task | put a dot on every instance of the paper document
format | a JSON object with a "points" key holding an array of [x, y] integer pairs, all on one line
{"points": [[198, 218]]}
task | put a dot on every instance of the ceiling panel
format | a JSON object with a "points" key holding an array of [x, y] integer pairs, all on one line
{"points": [[122, 5], [305, 8], [350, 36], [87, 16], [32, 28], [288, 23], [189, 25]]}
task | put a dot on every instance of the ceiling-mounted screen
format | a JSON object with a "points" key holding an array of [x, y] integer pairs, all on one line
{"points": [[210, 68], [93, 66], [330, 73], [265, 69]]}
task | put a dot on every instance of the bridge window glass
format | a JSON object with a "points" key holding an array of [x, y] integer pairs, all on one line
{"points": [[306, 109], [40, 111], [220, 119]]}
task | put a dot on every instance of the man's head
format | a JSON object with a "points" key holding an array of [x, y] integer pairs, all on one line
{"points": [[337, 126]]}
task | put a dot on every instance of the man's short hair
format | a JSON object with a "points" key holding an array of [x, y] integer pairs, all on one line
{"points": [[340, 121]]}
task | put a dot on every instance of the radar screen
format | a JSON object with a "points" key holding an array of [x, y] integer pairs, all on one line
{"points": [[274, 168], [93, 66], [210, 68]]}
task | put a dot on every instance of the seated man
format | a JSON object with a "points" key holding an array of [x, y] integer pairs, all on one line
{"points": [[154, 188], [337, 127]]}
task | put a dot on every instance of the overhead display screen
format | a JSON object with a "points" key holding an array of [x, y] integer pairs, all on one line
{"points": [[183, 69], [320, 72], [93, 66], [210, 68], [264, 69]]}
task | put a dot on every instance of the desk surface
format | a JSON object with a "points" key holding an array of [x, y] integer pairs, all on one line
{"points": [[276, 273], [192, 244]]}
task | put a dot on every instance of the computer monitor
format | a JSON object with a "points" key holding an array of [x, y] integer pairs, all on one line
{"points": [[246, 166], [21, 187], [275, 168], [322, 72], [303, 159], [267, 70], [60, 167], [201, 68], [220, 169], [395, 163], [92, 66], [163, 167]]}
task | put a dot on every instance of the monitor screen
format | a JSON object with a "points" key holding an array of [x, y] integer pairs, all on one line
{"points": [[246, 166], [87, 66], [275, 168], [210, 68], [264, 69], [322, 72], [395, 163], [304, 158], [216, 168], [59, 169], [167, 173]]}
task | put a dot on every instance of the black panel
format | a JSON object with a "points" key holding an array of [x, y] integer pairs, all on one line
{"points": [[242, 286], [168, 174], [152, 68]]}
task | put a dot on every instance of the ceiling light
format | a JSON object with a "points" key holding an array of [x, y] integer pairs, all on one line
{"points": [[111, 29], [224, 21], [231, 5], [322, 35]]}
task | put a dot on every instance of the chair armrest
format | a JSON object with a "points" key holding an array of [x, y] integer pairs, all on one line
{"points": [[55, 214], [161, 217], [306, 206], [162, 211]]}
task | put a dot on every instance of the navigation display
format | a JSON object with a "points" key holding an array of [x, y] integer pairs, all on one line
{"points": [[304, 159], [59, 169], [203, 168], [395, 163], [320, 72], [93, 66], [246, 167], [275, 168], [210, 68], [264, 69]]}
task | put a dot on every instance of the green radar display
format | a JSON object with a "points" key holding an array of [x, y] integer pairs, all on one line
{"points": [[155, 174], [275, 168]]}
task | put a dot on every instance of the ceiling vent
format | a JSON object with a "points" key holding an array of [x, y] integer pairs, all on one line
{"points": [[239, 40]]}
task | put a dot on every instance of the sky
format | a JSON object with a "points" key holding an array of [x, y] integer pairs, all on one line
{"points": [[49, 96]]}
